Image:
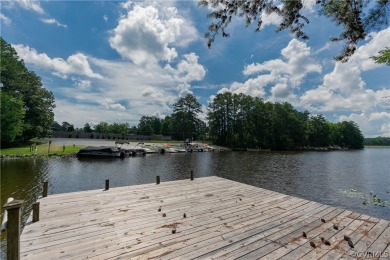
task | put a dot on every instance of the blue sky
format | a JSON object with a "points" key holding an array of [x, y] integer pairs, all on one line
{"points": [[116, 61]]}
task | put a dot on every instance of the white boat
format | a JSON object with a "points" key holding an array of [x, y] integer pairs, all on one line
{"points": [[181, 150], [171, 150]]}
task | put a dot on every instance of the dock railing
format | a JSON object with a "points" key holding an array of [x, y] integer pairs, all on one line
{"points": [[11, 222]]}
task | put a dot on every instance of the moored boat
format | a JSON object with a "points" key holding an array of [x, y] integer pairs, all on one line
{"points": [[101, 152]]}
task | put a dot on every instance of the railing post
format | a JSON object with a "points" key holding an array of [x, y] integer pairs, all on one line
{"points": [[13, 228], [157, 179], [192, 175], [35, 209], [5, 217], [45, 189], [107, 186]]}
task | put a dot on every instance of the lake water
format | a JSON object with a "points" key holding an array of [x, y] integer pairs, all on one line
{"points": [[325, 177]]}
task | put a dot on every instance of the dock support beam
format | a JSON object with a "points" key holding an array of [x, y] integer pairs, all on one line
{"points": [[45, 189], [35, 209], [192, 175], [13, 228], [157, 179], [107, 186]]}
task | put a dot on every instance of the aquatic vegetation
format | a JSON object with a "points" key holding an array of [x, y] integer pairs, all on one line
{"points": [[369, 198]]}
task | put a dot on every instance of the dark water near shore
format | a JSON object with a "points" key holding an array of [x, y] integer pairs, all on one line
{"points": [[317, 176]]}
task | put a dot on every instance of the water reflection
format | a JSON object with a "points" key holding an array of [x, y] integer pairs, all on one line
{"points": [[317, 176]]}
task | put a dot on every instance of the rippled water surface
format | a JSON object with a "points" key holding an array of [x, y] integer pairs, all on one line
{"points": [[318, 176]]}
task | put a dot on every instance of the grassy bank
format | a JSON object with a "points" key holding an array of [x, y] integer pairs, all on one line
{"points": [[42, 147], [40, 150]]}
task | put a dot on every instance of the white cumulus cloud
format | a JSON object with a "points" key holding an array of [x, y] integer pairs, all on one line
{"points": [[344, 90], [187, 69], [282, 75], [110, 104], [74, 64], [146, 33]]}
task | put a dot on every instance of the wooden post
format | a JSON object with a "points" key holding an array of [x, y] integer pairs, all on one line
{"points": [[192, 175], [157, 179], [35, 209], [5, 217], [107, 186], [45, 188], [13, 228]]}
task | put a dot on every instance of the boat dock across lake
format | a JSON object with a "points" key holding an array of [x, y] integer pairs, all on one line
{"points": [[205, 218]]}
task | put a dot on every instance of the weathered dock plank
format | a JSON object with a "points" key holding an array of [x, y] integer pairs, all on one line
{"points": [[207, 218]]}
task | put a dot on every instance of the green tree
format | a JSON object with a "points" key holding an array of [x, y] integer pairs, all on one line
{"points": [[219, 118], [185, 116], [319, 131], [87, 128], [166, 128], [357, 18], [24, 85], [12, 116], [133, 130], [149, 125], [377, 141], [67, 127], [55, 126], [351, 135], [102, 127], [383, 56], [118, 128]]}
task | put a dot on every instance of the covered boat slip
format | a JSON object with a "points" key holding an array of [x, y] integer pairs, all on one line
{"points": [[207, 218]]}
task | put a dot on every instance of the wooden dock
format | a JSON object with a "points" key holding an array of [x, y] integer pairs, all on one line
{"points": [[207, 218]]}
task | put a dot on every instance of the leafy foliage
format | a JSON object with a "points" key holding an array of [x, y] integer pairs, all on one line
{"points": [[382, 141], [349, 14], [25, 86], [149, 125], [185, 121], [383, 56], [12, 116], [238, 120]]}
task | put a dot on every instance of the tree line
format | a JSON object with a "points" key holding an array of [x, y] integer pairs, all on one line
{"points": [[233, 120], [379, 141], [238, 120], [241, 121]]}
